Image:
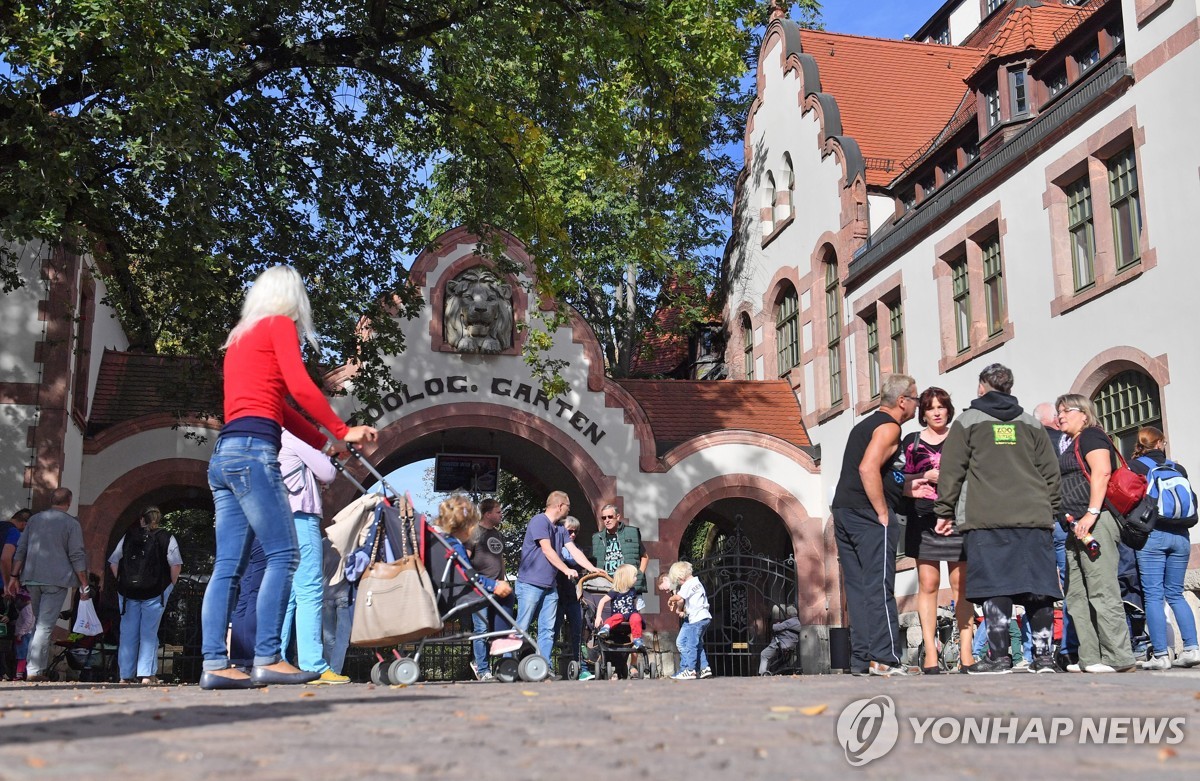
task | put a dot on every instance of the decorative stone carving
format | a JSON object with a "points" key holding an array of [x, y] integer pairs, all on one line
{"points": [[479, 312]]}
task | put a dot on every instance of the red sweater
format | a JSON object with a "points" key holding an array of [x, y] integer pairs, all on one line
{"points": [[262, 366]]}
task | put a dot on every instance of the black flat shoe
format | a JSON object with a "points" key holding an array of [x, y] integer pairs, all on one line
{"points": [[935, 670], [261, 676], [214, 681]]}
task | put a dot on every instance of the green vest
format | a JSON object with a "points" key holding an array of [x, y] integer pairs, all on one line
{"points": [[630, 538]]}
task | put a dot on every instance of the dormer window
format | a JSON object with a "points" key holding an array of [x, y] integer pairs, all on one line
{"points": [[767, 209], [991, 102], [941, 35], [928, 187], [1018, 92], [991, 5], [1087, 57], [949, 168], [1116, 34], [1056, 82], [910, 200], [971, 150]]}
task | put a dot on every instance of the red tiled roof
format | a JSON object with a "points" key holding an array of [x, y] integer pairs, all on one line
{"points": [[666, 349], [681, 409], [1029, 29], [893, 95], [131, 385]]}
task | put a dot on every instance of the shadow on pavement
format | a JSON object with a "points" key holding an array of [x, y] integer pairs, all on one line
{"points": [[176, 715]]}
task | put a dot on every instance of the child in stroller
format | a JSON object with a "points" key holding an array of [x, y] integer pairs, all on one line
{"points": [[624, 600], [613, 653]]}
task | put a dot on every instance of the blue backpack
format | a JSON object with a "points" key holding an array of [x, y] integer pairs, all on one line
{"points": [[1170, 489]]}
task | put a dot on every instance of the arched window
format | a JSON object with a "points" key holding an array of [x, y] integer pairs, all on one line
{"points": [[785, 200], [767, 210], [1125, 403], [787, 330], [747, 347]]}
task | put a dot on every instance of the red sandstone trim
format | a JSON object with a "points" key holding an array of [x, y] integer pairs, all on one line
{"points": [[140, 425], [437, 304], [805, 531], [1177, 43], [19, 393], [739, 437], [1145, 9]]}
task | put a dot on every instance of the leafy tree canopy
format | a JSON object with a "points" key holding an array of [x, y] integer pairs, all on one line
{"points": [[190, 144]]}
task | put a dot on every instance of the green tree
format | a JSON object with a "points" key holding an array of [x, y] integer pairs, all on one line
{"points": [[191, 144]]}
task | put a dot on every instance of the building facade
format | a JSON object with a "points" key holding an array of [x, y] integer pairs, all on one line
{"points": [[1012, 185]]}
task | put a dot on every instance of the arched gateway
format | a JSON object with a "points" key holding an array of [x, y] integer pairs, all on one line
{"points": [[668, 452]]}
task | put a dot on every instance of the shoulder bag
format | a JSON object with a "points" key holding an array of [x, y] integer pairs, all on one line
{"points": [[1124, 495], [395, 602]]}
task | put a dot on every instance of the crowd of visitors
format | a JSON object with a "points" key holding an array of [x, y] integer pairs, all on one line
{"points": [[1022, 508]]}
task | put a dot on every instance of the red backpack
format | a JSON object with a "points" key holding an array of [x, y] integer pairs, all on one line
{"points": [[1125, 487]]}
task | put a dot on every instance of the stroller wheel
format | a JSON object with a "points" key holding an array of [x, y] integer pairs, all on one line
{"points": [[642, 666], [533, 668], [573, 671], [506, 670], [378, 674], [404, 671]]}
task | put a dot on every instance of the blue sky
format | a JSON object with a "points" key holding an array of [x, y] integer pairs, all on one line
{"points": [[880, 18]]}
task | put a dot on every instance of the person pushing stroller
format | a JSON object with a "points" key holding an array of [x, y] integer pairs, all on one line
{"points": [[786, 637], [624, 599]]}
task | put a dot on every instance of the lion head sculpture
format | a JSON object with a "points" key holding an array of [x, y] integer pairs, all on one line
{"points": [[479, 312]]}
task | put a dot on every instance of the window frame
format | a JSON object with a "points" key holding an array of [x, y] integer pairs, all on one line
{"points": [[747, 329], [787, 330], [960, 286], [1081, 218], [994, 304], [1018, 92], [896, 335], [874, 361], [991, 105], [1117, 199], [833, 329]]}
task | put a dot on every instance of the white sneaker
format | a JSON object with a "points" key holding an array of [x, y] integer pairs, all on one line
{"points": [[1157, 663], [707, 671], [684, 675], [1188, 658], [1073, 667], [1021, 666], [1099, 668]]}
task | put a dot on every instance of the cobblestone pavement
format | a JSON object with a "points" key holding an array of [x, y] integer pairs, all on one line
{"points": [[722, 728]]}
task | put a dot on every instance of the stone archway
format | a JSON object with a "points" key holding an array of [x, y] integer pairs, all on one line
{"points": [[141, 485], [397, 435]]}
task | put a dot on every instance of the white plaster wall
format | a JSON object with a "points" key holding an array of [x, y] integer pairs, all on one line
{"points": [[20, 328], [1167, 22], [100, 470], [15, 456], [72, 471], [880, 210], [106, 333], [963, 20]]}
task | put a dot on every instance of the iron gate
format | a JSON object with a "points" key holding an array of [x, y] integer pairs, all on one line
{"points": [[742, 586]]}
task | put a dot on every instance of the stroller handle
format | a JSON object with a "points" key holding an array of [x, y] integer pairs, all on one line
{"points": [[356, 453]]}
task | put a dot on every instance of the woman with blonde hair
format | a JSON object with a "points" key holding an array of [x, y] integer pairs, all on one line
{"points": [[457, 518], [1163, 561], [263, 366], [1094, 594]]}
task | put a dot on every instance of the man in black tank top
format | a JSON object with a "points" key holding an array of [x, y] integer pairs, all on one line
{"points": [[864, 522]]}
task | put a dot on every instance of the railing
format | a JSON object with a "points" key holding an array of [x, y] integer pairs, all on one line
{"points": [[1085, 10]]}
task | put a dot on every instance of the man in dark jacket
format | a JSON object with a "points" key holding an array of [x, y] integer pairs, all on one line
{"points": [[618, 543], [1005, 456]]}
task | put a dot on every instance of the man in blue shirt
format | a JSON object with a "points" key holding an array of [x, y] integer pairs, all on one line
{"points": [[540, 562]]}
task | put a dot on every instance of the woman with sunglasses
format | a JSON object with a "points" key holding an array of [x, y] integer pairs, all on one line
{"points": [[1094, 594]]}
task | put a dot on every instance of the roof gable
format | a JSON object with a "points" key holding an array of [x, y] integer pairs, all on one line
{"points": [[915, 86]]}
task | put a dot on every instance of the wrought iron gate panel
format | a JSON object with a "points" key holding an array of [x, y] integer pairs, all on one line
{"points": [[742, 586]]}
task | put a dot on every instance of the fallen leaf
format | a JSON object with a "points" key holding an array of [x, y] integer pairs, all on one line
{"points": [[1166, 752], [528, 693], [157, 717], [35, 761], [308, 694], [813, 710], [761, 753], [782, 709]]}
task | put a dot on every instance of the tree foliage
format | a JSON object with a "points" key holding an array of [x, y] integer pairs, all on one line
{"points": [[190, 144]]}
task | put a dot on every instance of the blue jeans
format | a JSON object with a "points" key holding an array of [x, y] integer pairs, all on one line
{"points": [[1163, 564], [691, 645], [244, 622], [250, 502], [337, 617], [543, 602], [307, 597], [1069, 643], [487, 619], [137, 655]]}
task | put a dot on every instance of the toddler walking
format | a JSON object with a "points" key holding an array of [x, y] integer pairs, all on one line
{"points": [[691, 597]]}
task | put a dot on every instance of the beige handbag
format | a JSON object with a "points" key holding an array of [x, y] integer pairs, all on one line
{"points": [[395, 600]]}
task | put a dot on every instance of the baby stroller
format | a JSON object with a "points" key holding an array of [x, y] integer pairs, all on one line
{"points": [[615, 654], [456, 588]]}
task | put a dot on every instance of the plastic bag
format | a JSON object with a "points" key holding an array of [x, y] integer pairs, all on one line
{"points": [[86, 620]]}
